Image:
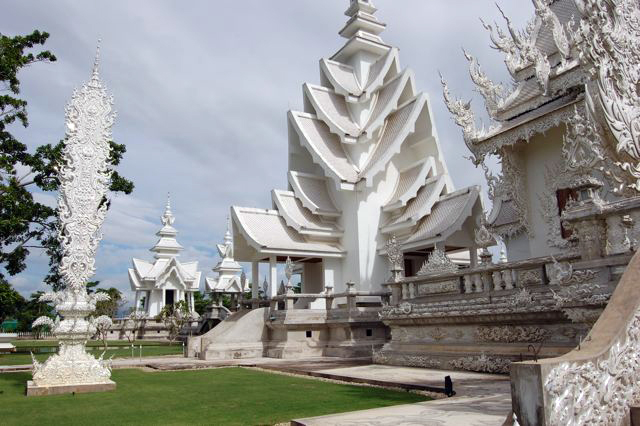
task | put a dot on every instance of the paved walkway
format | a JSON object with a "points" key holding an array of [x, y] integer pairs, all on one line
{"points": [[481, 399]]}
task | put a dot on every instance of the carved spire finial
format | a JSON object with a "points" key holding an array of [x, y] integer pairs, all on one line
{"points": [[167, 217], [95, 74]]}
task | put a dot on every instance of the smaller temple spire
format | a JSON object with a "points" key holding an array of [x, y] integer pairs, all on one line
{"points": [[167, 246], [362, 20], [95, 73], [168, 218]]}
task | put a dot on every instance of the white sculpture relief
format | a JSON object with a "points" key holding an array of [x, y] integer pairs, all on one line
{"points": [[482, 364], [610, 37], [600, 391], [509, 186], [84, 180], [438, 263], [510, 334], [562, 273], [581, 148], [396, 258]]}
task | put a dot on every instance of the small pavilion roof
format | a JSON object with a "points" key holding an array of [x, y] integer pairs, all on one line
{"points": [[301, 219], [399, 125], [344, 79], [446, 217], [411, 179], [324, 146], [267, 232], [312, 191], [420, 206]]}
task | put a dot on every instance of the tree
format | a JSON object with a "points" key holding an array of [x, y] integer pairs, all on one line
{"points": [[175, 317], [32, 309], [24, 223], [110, 307], [200, 302], [103, 324], [133, 325], [10, 300]]}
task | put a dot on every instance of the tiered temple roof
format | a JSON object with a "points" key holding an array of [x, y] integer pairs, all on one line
{"points": [[366, 134], [152, 275]]}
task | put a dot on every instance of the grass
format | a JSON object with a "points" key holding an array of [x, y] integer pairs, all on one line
{"points": [[116, 348], [227, 396]]}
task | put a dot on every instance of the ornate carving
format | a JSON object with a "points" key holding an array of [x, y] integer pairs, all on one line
{"points": [[439, 287], [84, 180], [437, 263], [610, 36], [562, 273], [509, 186], [560, 35], [493, 94], [599, 391], [396, 258], [521, 51], [530, 277], [511, 334], [482, 363], [463, 116], [437, 334]]}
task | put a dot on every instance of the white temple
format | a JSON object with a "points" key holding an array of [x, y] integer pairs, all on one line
{"points": [[167, 280], [228, 281], [364, 164]]}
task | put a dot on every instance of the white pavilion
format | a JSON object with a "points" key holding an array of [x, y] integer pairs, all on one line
{"points": [[167, 280], [230, 279], [365, 164]]}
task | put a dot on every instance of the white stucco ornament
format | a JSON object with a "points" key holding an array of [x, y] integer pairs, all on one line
{"points": [[84, 181]]}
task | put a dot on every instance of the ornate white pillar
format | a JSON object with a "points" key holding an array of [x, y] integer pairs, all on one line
{"points": [[273, 277], [84, 180], [255, 280], [164, 299]]}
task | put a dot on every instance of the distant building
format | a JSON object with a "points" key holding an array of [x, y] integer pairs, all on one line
{"points": [[166, 280]]}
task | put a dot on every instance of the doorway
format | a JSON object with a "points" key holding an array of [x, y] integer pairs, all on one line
{"points": [[169, 297]]}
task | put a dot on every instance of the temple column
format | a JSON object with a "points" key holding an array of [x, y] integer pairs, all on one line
{"points": [[273, 277], [164, 299], [255, 284], [137, 301], [473, 256]]}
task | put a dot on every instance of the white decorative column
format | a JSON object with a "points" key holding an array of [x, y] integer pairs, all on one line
{"points": [[84, 181], [164, 299], [255, 284], [137, 301], [273, 277]]}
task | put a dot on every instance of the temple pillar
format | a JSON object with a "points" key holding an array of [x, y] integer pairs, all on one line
{"points": [[473, 256], [273, 277], [137, 301], [164, 299], [255, 284]]}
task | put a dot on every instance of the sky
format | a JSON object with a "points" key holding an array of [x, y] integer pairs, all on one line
{"points": [[202, 89]]}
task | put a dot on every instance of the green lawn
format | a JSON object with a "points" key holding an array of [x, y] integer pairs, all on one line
{"points": [[117, 349], [228, 396]]}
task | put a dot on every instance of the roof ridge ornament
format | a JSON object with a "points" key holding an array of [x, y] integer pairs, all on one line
{"points": [[493, 94], [167, 218], [520, 49]]}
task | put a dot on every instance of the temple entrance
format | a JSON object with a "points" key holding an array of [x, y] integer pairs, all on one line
{"points": [[170, 297]]}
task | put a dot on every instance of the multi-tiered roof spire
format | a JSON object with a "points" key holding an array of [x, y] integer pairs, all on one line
{"points": [[167, 246], [364, 163]]}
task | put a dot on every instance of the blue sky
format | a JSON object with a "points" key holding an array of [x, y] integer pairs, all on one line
{"points": [[202, 89]]}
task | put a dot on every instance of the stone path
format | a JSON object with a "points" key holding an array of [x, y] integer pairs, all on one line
{"points": [[481, 399]]}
